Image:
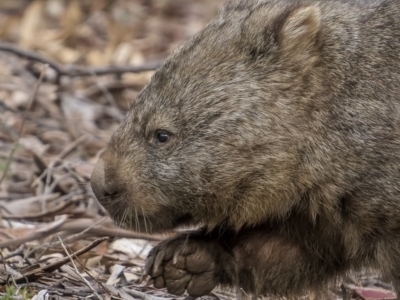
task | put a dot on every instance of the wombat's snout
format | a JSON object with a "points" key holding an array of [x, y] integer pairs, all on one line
{"points": [[103, 190]]}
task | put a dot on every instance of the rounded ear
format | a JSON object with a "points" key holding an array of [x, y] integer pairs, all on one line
{"points": [[298, 35]]}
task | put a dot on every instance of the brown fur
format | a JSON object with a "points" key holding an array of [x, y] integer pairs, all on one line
{"points": [[284, 125]]}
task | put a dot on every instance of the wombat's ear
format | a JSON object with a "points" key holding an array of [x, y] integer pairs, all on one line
{"points": [[298, 34]]}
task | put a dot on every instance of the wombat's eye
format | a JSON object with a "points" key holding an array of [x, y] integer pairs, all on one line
{"points": [[163, 136]]}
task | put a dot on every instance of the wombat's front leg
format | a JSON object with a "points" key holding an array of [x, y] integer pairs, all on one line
{"points": [[192, 262], [258, 261]]}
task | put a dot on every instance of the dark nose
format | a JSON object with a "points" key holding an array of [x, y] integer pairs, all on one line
{"points": [[102, 189]]}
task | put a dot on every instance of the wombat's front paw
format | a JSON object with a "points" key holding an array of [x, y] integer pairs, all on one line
{"points": [[184, 263]]}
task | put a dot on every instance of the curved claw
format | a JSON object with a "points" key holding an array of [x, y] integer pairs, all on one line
{"points": [[177, 252], [158, 260], [148, 265]]}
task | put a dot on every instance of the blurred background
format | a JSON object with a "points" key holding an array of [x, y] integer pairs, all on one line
{"points": [[101, 32]]}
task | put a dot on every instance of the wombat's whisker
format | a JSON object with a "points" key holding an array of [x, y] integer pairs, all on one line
{"points": [[137, 225], [126, 220], [144, 219]]}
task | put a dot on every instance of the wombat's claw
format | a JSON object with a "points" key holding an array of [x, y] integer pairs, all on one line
{"points": [[157, 262], [177, 252], [148, 265]]}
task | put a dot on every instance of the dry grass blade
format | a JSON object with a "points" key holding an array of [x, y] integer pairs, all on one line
{"points": [[77, 271], [32, 99]]}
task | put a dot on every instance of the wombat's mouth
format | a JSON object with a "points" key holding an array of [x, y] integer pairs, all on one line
{"points": [[183, 220]]}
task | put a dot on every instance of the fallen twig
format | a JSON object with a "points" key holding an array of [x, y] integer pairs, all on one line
{"points": [[73, 291], [33, 273], [73, 226], [49, 178], [142, 296], [18, 251], [74, 70], [37, 233]]}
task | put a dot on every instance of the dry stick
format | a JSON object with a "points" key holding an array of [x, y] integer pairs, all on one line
{"points": [[77, 271], [35, 273], [70, 291], [71, 147], [35, 234], [30, 103], [62, 155], [85, 269], [110, 99], [73, 226], [117, 293], [142, 295], [74, 70], [115, 85], [18, 251], [75, 236], [69, 239]]}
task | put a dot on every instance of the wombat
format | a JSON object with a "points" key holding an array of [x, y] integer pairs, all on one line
{"points": [[276, 131]]}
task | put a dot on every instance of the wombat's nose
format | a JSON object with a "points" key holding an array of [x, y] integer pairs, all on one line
{"points": [[100, 188]]}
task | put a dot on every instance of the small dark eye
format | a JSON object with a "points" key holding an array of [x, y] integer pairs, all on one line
{"points": [[162, 137]]}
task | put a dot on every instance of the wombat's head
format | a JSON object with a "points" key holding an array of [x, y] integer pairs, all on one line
{"points": [[213, 139]]}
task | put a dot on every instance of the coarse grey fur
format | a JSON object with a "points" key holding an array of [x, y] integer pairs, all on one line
{"points": [[283, 125]]}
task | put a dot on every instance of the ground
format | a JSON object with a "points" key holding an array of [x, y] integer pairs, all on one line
{"points": [[68, 71]]}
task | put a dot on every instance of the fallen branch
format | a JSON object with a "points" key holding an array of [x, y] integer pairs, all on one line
{"points": [[73, 226], [74, 70], [33, 273]]}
